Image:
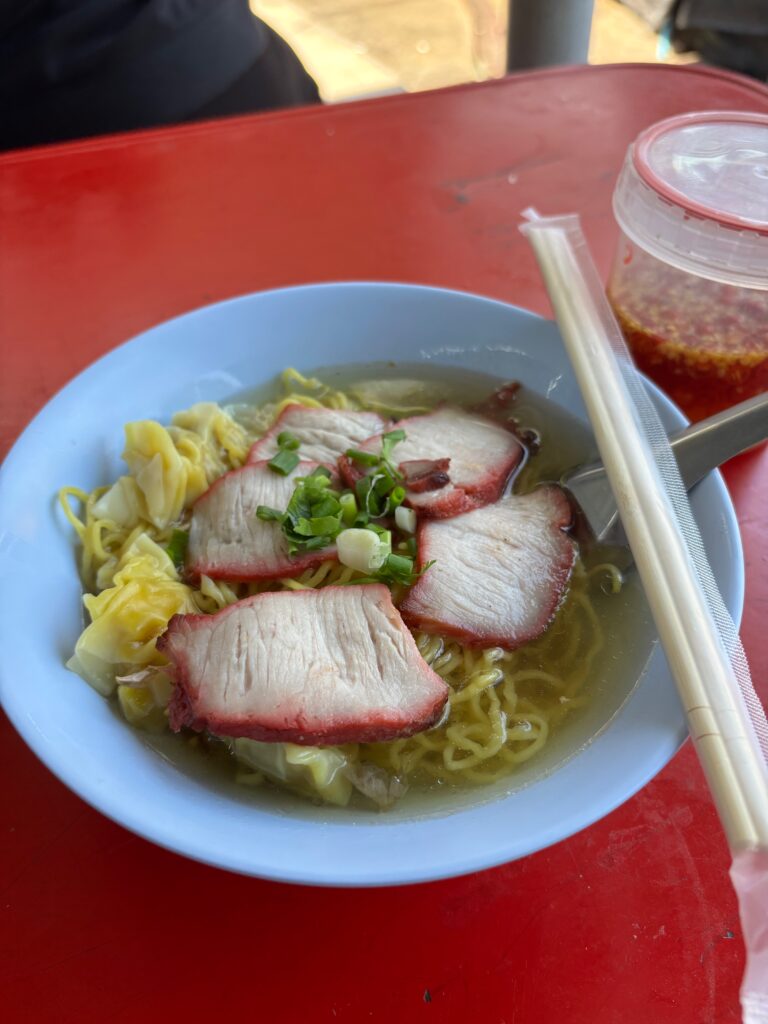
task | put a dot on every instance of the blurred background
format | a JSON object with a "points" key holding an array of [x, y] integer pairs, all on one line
{"points": [[79, 68], [356, 48]]}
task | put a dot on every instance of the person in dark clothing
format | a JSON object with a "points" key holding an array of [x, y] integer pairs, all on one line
{"points": [[77, 68], [730, 34]]}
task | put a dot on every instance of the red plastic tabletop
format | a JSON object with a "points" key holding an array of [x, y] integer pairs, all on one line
{"points": [[629, 921]]}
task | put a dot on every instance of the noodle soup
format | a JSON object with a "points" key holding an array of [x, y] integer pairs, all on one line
{"points": [[512, 715]]}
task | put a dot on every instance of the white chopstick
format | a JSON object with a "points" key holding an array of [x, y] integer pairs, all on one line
{"points": [[702, 668]]}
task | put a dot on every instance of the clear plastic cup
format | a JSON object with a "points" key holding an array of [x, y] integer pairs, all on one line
{"points": [[689, 283]]}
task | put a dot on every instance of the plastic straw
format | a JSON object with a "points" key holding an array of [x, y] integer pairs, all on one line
{"points": [[725, 719]]}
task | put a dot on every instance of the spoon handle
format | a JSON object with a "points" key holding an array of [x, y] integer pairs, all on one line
{"points": [[703, 446]]}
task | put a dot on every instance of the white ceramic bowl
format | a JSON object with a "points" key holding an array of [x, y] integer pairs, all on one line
{"points": [[212, 354]]}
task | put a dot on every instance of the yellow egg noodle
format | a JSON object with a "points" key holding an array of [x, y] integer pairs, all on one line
{"points": [[503, 705]]}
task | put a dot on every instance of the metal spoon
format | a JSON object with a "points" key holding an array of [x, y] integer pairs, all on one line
{"points": [[698, 449]]}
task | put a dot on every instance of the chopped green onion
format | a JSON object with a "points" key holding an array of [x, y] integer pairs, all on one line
{"points": [[397, 497], [317, 515], [284, 462], [299, 507], [399, 564], [288, 441], [384, 481], [399, 569], [286, 459], [388, 442], [362, 549], [318, 479], [311, 544], [177, 547], [269, 515], [405, 519], [327, 505], [396, 569], [385, 538], [364, 458], [348, 507], [366, 497], [318, 526]]}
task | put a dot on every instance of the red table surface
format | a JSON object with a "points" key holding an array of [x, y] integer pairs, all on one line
{"points": [[629, 921]]}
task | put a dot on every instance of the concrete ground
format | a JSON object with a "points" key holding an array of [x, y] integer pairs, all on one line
{"points": [[356, 48]]}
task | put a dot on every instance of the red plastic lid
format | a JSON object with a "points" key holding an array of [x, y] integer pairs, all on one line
{"points": [[694, 193], [714, 165]]}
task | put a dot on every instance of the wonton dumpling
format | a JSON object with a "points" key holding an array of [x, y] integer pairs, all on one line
{"points": [[207, 436], [143, 545], [397, 397], [144, 706], [123, 503], [160, 472], [318, 769], [126, 620]]}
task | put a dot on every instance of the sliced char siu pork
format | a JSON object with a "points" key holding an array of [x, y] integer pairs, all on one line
{"points": [[335, 665], [456, 460], [500, 572], [226, 539], [323, 434]]}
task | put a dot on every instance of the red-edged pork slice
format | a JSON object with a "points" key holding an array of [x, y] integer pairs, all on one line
{"points": [[335, 665], [324, 434], [226, 539], [481, 454], [500, 572]]}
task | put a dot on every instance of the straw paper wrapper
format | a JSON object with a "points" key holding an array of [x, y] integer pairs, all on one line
{"points": [[725, 717]]}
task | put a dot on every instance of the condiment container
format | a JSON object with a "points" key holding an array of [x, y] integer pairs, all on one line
{"points": [[689, 283]]}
